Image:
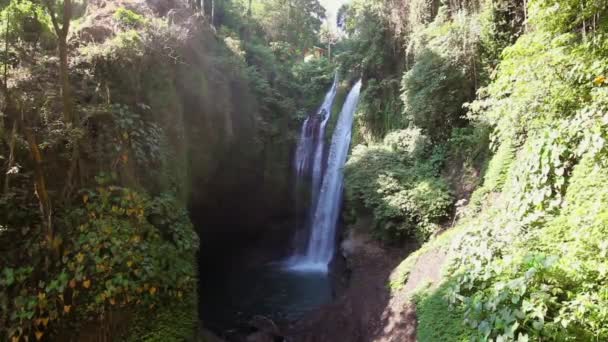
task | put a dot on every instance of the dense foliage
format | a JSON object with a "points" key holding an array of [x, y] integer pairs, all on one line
{"points": [[402, 190], [110, 113], [120, 249], [537, 273], [528, 253], [429, 79]]}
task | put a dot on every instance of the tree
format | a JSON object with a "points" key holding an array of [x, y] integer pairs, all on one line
{"points": [[6, 40], [61, 25], [328, 37], [297, 22], [431, 78]]}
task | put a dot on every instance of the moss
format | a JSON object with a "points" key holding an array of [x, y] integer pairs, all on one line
{"points": [[172, 322], [335, 110]]}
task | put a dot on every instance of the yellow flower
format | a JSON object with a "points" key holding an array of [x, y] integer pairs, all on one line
{"points": [[79, 257], [599, 80]]}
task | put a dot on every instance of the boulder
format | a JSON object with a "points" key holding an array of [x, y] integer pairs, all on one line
{"points": [[267, 330]]}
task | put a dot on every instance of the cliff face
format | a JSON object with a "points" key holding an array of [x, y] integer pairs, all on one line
{"points": [[230, 163]]}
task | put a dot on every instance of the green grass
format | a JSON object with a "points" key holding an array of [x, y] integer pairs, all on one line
{"points": [[437, 322], [404, 269]]}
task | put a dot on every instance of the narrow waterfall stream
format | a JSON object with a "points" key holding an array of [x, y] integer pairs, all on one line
{"points": [[325, 210], [309, 163]]}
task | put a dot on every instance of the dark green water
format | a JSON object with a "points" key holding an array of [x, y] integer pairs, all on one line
{"points": [[232, 297]]}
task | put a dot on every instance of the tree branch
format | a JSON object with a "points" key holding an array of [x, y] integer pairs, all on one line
{"points": [[53, 15]]}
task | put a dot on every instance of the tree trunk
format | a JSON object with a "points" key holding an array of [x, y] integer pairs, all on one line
{"points": [[525, 15], [40, 187], [62, 35], [249, 8], [11, 156], [74, 162], [212, 12], [8, 19], [66, 91]]}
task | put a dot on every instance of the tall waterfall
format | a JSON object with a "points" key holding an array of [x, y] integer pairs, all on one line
{"points": [[325, 208], [311, 146], [309, 163]]}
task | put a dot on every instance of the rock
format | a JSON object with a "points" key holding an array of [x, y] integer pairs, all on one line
{"points": [[94, 34], [267, 330], [260, 337], [264, 324], [207, 336]]}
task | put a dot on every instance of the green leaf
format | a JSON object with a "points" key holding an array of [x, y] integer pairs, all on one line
{"points": [[9, 276]]}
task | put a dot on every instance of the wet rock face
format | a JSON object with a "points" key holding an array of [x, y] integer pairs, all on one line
{"points": [[259, 329], [267, 330]]}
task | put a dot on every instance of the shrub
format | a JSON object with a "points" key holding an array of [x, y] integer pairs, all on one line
{"points": [[403, 191], [28, 22], [532, 265], [122, 249], [411, 142], [129, 19], [314, 79], [549, 284]]}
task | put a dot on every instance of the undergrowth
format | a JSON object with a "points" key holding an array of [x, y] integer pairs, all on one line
{"points": [[530, 265], [528, 256]]}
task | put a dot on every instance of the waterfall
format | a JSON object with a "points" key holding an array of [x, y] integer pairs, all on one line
{"points": [[309, 162], [326, 188]]}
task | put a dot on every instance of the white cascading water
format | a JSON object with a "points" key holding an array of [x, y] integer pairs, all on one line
{"points": [[309, 153], [309, 162], [321, 242]]}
